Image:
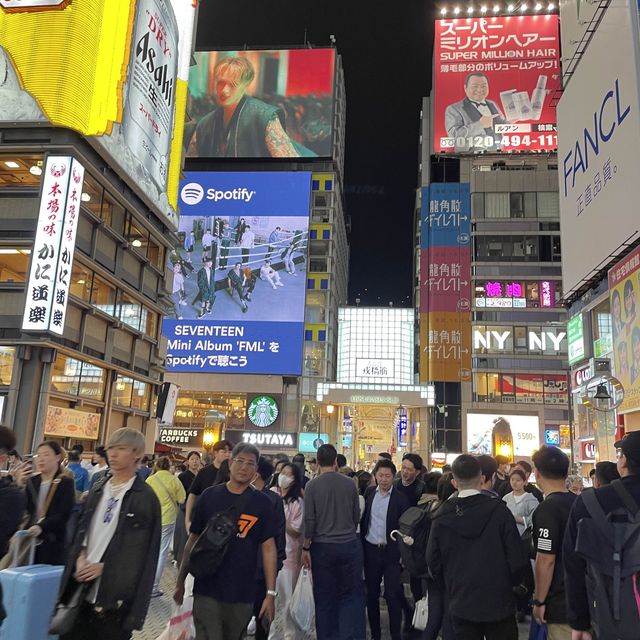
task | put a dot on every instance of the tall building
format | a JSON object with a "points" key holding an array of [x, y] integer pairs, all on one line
{"points": [[488, 272], [86, 217], [214, 403], [599, 193]]}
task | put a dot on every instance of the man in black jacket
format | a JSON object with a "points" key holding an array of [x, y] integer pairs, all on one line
{"points": [[12, 497], [263, 473], [115, 552], [383, 507], [474, 543], [575, 566]]}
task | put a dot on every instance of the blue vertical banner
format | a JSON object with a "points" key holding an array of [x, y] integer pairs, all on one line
{"points": [[239, 273]]}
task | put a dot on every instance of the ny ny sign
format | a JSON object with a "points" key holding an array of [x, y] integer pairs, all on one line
{"points": [[497, 340]]}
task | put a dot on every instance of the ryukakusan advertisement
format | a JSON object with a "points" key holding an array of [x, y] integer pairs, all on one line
{"points": [[239, 273], [494, 79]]}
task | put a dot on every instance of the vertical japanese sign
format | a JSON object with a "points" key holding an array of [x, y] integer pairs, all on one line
{"points": [[147, 124], [445, 288], [624, 282], [494, 78], [52, 255]]}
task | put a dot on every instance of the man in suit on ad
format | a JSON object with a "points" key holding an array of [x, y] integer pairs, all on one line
{"points": [[474, 116], [383, 507]]}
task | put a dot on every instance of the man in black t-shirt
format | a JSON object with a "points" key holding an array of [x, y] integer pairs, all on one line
{"points": [[206, 477], [223, 601], [549, 524]]}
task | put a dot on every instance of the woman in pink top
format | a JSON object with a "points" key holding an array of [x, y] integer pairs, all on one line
{"points": [[290, 489]]}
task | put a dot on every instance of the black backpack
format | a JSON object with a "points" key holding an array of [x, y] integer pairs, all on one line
{"points": [[610, 545], [211, 546], [414, 526]]}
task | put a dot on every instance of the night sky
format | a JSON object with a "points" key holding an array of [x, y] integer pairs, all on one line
{"points": [[386, 52]]}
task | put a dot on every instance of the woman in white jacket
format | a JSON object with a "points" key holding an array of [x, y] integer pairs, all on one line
{"points": [[520, 503]]}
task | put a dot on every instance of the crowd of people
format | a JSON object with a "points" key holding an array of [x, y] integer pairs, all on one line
{"points": [[484, 544]]}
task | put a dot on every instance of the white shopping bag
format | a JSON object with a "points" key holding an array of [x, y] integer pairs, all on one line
{"points": [[180, 625], [421, 614], [302, 606]]}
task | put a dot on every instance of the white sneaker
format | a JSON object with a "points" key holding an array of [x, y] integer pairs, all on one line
{"points": [[280, 284], [251, 627]]}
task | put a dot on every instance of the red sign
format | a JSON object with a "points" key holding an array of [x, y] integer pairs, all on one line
{"points": [[445, 275], [494, 79], [588, 450]]}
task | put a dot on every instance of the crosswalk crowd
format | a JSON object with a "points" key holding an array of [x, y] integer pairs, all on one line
{"points": [[302, 548]]}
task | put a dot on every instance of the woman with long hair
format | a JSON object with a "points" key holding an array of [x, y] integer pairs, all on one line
{"points": [[50, 500], [290, 489]]}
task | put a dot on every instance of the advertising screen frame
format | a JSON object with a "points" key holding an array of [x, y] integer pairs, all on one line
{"points": [[254, 92], [252, 322], [525, 432], [496, 53]]}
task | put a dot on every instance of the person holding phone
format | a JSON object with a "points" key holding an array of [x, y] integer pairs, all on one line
{"points": [[50, 500]]}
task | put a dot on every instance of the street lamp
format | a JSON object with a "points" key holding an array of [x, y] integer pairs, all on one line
{"points": [[208, 439], [330, 409]]}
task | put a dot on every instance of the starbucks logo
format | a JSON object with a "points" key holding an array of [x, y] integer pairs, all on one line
{"points": [[263, 411]]}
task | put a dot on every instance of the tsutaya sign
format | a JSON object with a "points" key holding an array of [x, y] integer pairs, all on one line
{"points": [[493, 340], [270, 439]]}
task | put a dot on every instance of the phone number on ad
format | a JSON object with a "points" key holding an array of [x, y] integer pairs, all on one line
{"points": [[506, 141]]}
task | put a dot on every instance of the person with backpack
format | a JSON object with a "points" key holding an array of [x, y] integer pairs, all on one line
{"points": [[383, 507], [171, 495], [232, 523], [549, 525], [601, 553], [475, 553]]}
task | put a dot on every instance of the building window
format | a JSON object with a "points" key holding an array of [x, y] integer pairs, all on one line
{"points": [[81, 278], [77, 378], [315, 185], [311, 283], [477, 205], [92, 195], [140, 396], [129, 310], [326, 234], [14, 263], [548, 204], [497, 205], [324, 283], [103, 295], [122, 391], [138, 237], [7, 358]]}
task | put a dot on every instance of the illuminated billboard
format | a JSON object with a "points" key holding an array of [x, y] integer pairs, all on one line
{"points": [[494, 79], [525, 433], [126, 93], [261, 104], [239, 273], [624, 285]]}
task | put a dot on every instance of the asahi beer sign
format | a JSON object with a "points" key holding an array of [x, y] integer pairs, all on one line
{"points": [[52, 256], [147, 124]]}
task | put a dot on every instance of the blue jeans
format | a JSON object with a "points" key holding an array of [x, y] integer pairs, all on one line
{"points": [[338, 589]]}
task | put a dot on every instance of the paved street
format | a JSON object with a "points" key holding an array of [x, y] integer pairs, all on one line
{"points": [[160, 611]]}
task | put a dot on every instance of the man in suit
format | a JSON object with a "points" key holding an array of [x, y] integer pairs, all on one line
{"points": [[384, 505], [207, 286], [475, 116]]}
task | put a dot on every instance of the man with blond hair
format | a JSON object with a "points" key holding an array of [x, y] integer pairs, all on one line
{"points": [[113, 559], [241, 126]]}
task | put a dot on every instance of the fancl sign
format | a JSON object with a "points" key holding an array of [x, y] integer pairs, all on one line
{"points": [[598, 122]]}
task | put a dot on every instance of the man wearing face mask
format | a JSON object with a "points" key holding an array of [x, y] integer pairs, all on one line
{"points": [[263, 473]]}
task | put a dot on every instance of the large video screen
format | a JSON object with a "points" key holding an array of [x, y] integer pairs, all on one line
{"points": [[495, 84], [239, 273], [261, 104], [525, 433]]}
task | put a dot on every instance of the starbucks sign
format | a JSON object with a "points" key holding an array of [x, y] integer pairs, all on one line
{"points": [[263, 411]]}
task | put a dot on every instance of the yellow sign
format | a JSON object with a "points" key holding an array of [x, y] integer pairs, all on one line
{"points": [[624, 284], [70, 423], [126, 90], [445, 347]]}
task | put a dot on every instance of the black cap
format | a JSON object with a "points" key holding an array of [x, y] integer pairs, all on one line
{"points": [[630, 445]]}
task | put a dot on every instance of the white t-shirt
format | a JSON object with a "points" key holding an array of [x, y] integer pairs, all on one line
{"points": [[104, 525], [42, 497]]}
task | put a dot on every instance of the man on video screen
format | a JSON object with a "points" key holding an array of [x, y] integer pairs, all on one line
{"points": [[241, 126], [474, 117]]}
